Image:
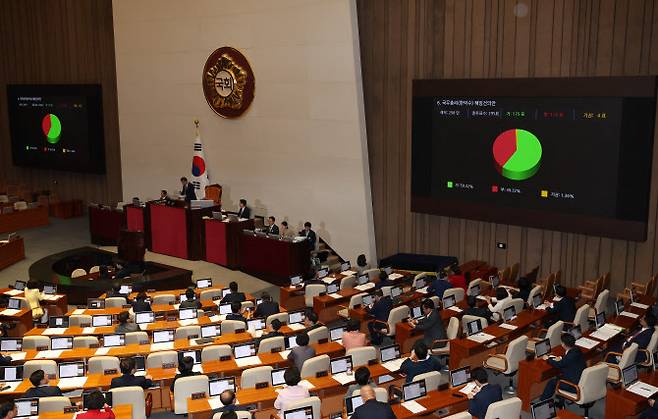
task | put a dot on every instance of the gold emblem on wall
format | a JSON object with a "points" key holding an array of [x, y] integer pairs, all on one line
{"points": [[228, 82]]}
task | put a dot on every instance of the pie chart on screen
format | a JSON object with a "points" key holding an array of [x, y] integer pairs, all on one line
{"points": [[52, 128], [517, 154]]}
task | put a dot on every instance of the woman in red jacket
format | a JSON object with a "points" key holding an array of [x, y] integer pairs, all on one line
{"points": [[97, 407]]}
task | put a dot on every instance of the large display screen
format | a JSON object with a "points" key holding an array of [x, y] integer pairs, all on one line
{"points": [[57, 127], [569, 154]]}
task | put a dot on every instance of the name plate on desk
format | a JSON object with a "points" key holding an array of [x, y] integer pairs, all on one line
{"points": [[320, 374], [70, 409], [41, 348], [110, 371], [168, 365], [264, 384], [225, 358], [200, 395]]}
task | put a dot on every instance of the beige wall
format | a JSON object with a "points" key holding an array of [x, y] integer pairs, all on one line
{"points": [[298, 153]]}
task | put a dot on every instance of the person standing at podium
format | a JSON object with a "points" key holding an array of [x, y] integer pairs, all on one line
{"points": [[188, 190], [309, 234], [243, 211]]}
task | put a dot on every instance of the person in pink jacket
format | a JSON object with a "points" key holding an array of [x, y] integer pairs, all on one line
{"points": [[353, 337]]}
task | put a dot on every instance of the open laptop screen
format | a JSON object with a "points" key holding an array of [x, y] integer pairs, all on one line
{"points": [[542, 347], [460, 376], [629, 375], [219, 385], [413, 391], [544, 409], [389, 353]]}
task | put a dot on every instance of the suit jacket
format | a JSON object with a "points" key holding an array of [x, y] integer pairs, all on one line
{"points": [[141, 306], [438, 287], [233, 316], [571, 365], [43, 391], [642, 340], [382, 308], [244, 212], [411, 369], [300, 354], [433, 328], [373, 409], [129, 380], [310, 236], [189, 193], [480, 312], [565, 309], [126, 328], [191, 304], [234, 297], [488, 394], [273, 229], [266, 308]]}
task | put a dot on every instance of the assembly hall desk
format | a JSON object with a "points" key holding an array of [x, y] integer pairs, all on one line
{"points": [[223, 241], [273, 259]]}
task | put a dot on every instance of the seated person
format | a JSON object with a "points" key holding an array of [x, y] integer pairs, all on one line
{"points": [[125, 325], [96, 407], [8, 410], [361, 264], [185, 369], [474, 310], [457, 279], [483, 394], [495, 305], [439, 286], [272, 330], [299, 354], [191, 301], [562, 305], [311, 320], [380, 309], [284, 230], [419, 362], [140, 303], [353, 337], [292, 392], [267, 307], [227, 397], [384, 281], [570, 366], [114, 292], [236, 312], [128, 379], [234, 295], [651, 412], [40, 387], [371, 407], [525, 286], [362, 378], [641, 337]]}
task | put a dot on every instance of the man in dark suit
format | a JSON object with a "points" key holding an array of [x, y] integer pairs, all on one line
{"points": [[430, 324], [571, 366], [114, 292], [651, 412], [641, 337], [236, 312], [267, 307], [488, 393], [227, 397], [128, 378], [40, 387], [384, 281], [140, 303], [439, 286], [191, 300], [311, 320], [243, 210], [234, 295], [474, 310], [380, 309], [272, 228], [272, 331], [565, 308], [309, 234], [419, 362], [188, 190], [371, 408]]}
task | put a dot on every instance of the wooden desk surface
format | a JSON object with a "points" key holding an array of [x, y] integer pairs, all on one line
{"points": [[122, 411], [12, 252], [621, 403]]}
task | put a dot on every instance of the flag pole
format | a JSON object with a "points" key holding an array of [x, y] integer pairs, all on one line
{"points": [[196, 126]]}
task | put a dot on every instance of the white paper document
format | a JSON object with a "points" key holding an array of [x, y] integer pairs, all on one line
{"points": [[541, 306], [51, 297], [12, 386], [394, 365], [215, 319], [481, 337], [413, 406], [468, 388], [13, 292], [508, 326], [365, 287], [606, 332], [177, 306], [215, 403], [629, 314], [188, 322], [328, 279], [248, 360], [394, 276], [343, 378], [284, 354], [586, 343], [422, 290], [335, 295], [49, 354], [162, 346], [88, 330], [643, 389], [17, 356], [78, 311], [455, 308], [348, 273], [54, 331], [640, 305], [10, 312], [72, 382], [255, 333], [307, 384], [102, 351], [481, 297], [297, 326], [198, 368]]}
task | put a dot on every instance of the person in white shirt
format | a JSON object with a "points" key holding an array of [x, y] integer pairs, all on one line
{"points": [[502, 297], [292, 392]]}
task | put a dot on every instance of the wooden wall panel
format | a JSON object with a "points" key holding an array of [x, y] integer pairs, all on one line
{"points": [[406, 39], [61, 41]]}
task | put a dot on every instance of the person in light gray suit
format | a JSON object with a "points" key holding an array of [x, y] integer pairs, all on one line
{"points": [[302, 352], [430, 324]]}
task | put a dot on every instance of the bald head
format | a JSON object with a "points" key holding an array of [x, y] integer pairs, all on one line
{"points": [[367, 393], [227, 397]]}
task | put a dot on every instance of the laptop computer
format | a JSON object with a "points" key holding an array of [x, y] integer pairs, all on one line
{"points": [[243, 351], [61, 343], [144, 317], [195, 354], [140, 365], [211, 331], [576, 332], [161, 336], [332, 288], [509, 313], [71, 369], [388, 270], [296, 317], [296, 280], [367, 300], [11, 344], [322, 273], [619, 306], [277, 377], [26, 407], [536, 300], [473, 327], [217, 386], [225, 309], [542, 347], [449, 301], [544, 409], [414, 390], [420, 283], [110, 341], [351, 403], [345, 266], [362, 279], [19, 285], [336, 333], [204, 283], [13, 373], [460, 376], [416, 312], [256, 324], [126, 289], [305, 412], [474, 290], [14, 303], [225, 292], [600, 319], [341, 364], [58, 321], [187, 313], [389, 353], [494, 281], [101, 320], [95, 303], [50, 289]]}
